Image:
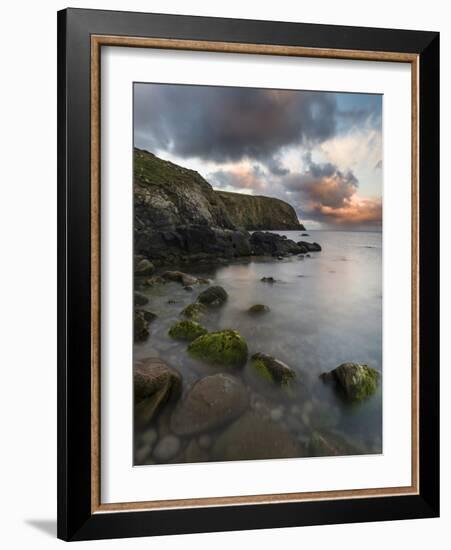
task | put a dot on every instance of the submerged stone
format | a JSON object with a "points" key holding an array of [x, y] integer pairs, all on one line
{"points": [[141, 320], [332, 444], [227, 348], [267, 280], [144, 267], [355, 381], [272, 369], [187, 330], [254, 437], [140, 299], [211, 403], [179, 277]]}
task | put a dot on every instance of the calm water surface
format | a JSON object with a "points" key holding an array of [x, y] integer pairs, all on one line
{"points": [[325, 310]]}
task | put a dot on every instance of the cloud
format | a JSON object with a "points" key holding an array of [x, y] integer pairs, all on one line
{"points": [[326, 194], [224, 124], [239, 177]]}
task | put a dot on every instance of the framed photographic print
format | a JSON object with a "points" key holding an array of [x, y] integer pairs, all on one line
{"points": [[248, 274]]}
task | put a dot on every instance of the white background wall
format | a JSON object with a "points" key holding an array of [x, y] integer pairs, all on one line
{"points": [[28, 272]]}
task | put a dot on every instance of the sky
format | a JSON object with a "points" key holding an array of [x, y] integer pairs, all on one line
{"points": [[319, 151]]}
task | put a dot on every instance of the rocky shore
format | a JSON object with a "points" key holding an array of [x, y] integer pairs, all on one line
{"points": [[246, 403]]}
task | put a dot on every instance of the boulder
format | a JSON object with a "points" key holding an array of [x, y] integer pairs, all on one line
{"points": [[309, 247], [194, 312], [355, 381], [144, 268], [154, 384], [186, 330], [225, 348], [272, 369], [264, 243], [166, 448], [258, 309], [179, 277], [211, 403], [141, 321], [213, 297], [254, 437]]}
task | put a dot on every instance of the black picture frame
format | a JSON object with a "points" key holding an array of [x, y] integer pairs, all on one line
{"points": [[76, 521]]}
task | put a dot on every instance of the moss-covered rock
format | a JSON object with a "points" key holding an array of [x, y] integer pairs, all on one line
{"points": [[227, 348], [273, 370], [187, 330], [258, 309], [213, 297], [194, 312], [355, 381]]}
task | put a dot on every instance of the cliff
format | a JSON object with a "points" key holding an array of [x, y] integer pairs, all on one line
{"points": [[178, 217], [256, 212], [167, 195]]}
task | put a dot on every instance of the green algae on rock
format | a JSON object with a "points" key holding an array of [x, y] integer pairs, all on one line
{"points": [[187, 330], [272, 369], [227, 348], [355, 381], [258, 309], [194, 312]]}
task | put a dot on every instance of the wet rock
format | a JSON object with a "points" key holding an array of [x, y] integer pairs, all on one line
{"points": [[144, 268], [309, 247], [276, 414], [142, 454], [205, 441], [166, 448], [213, 297], [140, 299], [305, 235], [195, 453], [141, 320], [226, 348], [254, 437], [272, 369], [212, 402], [264, 243], [355, 381], [258, 309], [149, 436], [186, 330], [154, 385], [188, 288], [194, 312], [179, 277], [268, 280], [332, 444]]}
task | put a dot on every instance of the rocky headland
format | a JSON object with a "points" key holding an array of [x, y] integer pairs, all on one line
{"points": [[179, 217]]}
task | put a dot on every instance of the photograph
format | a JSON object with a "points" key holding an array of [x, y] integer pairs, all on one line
{"points": [[257, 270]]}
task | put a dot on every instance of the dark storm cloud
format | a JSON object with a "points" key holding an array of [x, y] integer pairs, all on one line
{"points": [[228, 124]]}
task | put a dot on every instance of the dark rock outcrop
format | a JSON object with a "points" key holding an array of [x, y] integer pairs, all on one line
{"points": [[256, 212], [178, 216], [264, 243]]}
